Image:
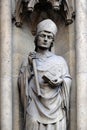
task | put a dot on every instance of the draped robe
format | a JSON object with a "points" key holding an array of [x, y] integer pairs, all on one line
{"points": [[50, 110]]}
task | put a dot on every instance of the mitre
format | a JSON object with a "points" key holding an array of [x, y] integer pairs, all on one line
{"points": [[47, 25]]}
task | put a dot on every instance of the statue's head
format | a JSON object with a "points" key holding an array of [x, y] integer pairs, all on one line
{"points": [[45, 34]]}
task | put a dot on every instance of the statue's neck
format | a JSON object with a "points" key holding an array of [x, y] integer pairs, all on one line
{"points": [[42, 51]]}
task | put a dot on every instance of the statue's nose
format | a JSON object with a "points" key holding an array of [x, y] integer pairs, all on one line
{"points": [[45, 39]]}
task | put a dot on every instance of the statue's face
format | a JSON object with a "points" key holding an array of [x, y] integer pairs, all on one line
{"points": [[45, 39]]}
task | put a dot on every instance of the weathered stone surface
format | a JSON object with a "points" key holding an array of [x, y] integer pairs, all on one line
{"points": [[81, 63], [22, 44], [6, 62]]}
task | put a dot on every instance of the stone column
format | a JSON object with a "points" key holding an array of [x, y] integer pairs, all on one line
{"points": [[81, 63], [6, 81]]}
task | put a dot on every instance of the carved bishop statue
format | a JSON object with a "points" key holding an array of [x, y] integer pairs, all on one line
{"points": [[44, 83]]}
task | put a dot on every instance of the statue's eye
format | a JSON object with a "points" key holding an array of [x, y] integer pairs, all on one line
{"points": [[42, 35], [50, 37]]}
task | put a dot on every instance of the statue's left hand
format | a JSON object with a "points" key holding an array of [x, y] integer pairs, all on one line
{"points": [[53, 82], [60, 80]]}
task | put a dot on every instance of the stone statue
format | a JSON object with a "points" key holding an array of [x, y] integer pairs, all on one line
{"points": [[44, 83]]}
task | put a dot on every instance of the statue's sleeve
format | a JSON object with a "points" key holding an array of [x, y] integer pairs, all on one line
{"points": [[66, 87], [23, 78]]}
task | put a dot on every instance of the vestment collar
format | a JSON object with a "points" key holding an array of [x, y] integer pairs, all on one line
{"points": [[46, 55]]}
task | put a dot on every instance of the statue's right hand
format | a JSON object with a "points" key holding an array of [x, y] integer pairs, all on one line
{"points": [[32, 55]]}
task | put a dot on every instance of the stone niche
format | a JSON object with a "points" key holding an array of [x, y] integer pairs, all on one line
{"points": [[26, 19]]}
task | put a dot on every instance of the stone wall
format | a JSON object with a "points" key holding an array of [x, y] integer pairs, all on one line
{"points": [[0, 62], [22, 44]]}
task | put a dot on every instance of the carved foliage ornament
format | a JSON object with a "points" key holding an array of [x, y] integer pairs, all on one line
{"points": [[27, 7]]}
